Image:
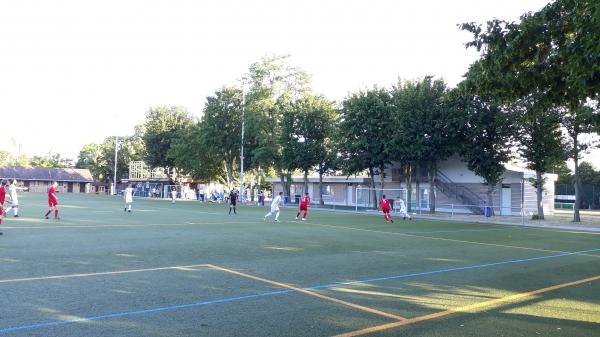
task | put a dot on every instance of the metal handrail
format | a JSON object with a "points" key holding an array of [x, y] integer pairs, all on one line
{"points": [[464, 188]]}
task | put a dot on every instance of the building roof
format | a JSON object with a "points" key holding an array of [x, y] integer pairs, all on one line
{"points": [[326, 179], [46, 174]]}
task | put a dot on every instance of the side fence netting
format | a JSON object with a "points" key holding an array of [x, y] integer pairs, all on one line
{"points": [[367, 199]]}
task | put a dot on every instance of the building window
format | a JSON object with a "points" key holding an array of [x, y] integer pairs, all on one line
{"points": [[397, 174]]}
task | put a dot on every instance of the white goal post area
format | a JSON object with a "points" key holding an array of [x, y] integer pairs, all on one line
{"points": [[166, 192], [365, 197]]}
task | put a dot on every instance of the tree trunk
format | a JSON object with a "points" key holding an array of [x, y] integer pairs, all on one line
{"points": [[283, 180], [539, 186], [490, 200], [372, 175], [418, 185], [288, 183], [259, 181], [409, 187], [305, 181], [382, 176], [432, 188], [252, 186], [321, 201], [228, 172], [576, 183]]}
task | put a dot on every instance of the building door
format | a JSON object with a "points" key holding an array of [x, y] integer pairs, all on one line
{"points": [[81, 187], [505, 203], [70, 187], [349, 194]]}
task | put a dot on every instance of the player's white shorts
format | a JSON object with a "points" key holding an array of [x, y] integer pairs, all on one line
{"points": [[14, 202], [274, 209], [128, 200]]}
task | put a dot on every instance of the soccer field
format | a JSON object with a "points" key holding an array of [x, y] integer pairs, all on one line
{"points": [[189, 269]]}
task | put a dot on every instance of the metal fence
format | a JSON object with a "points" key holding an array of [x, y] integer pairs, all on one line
{"points": [[589, 195]]}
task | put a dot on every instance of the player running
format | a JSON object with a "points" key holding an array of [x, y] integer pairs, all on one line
{"points": [[128, 194], [303, 206], [2, 199], [52, 201], [385, 208], [14, 198], [232, 201], [275, 207], [403, 211]]}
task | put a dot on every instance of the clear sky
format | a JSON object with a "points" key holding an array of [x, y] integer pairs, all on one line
{"points": [[77, 71]]}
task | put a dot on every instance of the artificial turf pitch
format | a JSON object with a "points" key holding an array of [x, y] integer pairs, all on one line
{"points": [[189, 269]]}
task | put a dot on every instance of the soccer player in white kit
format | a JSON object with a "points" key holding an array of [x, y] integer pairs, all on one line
{"points": [[128, 194], [278, 200], [173, 195], [403, 212], [14, 198]]}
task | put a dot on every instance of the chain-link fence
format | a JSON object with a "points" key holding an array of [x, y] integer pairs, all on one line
{"points": [[589, 196]]}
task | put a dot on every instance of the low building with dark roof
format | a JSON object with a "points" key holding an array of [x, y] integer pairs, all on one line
{"points": [[39, 179]]}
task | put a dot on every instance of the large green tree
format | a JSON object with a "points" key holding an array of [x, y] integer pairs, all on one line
{"points": [[194, 154], [307, 127], [577, 123], [51, 160], [365, 125], [540, 142], [488, 137], [161, 127], [426, 128], [273, 84], [552, 54], [100, 158], [221, 128]]}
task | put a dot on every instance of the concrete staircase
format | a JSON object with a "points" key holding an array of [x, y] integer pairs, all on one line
{"points": [[467, 197]]}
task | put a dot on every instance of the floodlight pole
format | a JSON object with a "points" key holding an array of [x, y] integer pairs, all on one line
{"points": [[115, 171], [242, 150]]}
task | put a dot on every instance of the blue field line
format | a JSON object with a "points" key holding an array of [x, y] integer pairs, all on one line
{"points": [[468, 230], [439, 271], [286, 291], [141, 312]]}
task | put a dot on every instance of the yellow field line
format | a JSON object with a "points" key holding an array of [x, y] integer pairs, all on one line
{"points": [[311, 293], [144, 225], [449, 240], [467, 308], [118, 272]]}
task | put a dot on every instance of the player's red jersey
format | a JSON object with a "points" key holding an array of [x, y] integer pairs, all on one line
{"points": [[2, 195], [304, 203], [385, 205], [52, 196]]}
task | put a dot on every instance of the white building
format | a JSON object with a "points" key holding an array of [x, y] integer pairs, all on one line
{"points": [[457, 189]]}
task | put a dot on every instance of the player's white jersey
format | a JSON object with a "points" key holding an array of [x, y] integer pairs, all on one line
{"points": [[402, 206], [12, 192], [276, 202], [129, 195]]}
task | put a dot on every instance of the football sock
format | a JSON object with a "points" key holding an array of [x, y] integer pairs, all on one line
{"points": [[48, 213], [55, 214]]}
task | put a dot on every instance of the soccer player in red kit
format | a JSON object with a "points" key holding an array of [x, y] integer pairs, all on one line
{"points": [[303, 206], [385, 208], [2, 199], [52, 201]]}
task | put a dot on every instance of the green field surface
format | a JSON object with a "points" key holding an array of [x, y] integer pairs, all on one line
{"points": [[190, 269]]}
